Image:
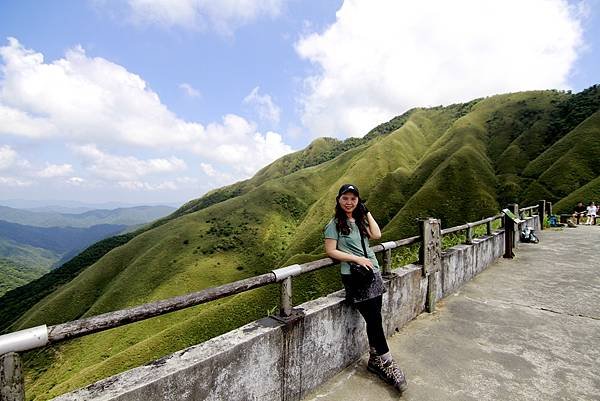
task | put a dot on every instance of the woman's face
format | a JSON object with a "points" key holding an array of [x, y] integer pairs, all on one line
{"points": [[348, 202]]}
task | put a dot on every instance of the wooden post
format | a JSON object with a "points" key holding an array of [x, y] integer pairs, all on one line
{"points": [[387, 263], [489, 227], [469, 240], [12, 384], [430, 256], [508, 237], [542, 213], [509, 231], [514, 207], [549, 208], [285, 306]]}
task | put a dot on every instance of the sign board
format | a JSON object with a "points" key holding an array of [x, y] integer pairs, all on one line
{"points": [[512, 216]]}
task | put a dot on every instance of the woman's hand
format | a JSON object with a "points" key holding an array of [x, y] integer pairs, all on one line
{"points": [[364, 262], [334, 253]]}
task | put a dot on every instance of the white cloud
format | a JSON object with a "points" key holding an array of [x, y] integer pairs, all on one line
{"points": [[137, 186], [75, 181], [82, 100], [56, 170], [217, 178], [381, 57], [223, 16], [170, 185], [14, 182], [237, 144], [265, 107], [125, 168], [10, 159], [189, 90], [208, 169]]}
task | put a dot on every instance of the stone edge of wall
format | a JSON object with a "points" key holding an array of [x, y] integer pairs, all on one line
{"points": [[270, 360]]}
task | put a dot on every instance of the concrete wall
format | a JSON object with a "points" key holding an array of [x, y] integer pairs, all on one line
{"points": [[271, 360]]}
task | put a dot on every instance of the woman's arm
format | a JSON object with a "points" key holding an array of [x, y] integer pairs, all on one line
{"points": [[334, 253], [373, 227]]}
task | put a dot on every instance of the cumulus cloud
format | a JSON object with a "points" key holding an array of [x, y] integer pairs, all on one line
{"points": [[208, 169], [56, 170], [223, 16], [10, 159], [168, 185], [81, 100], [264, 105], [75, 181], [237, 143], [189, 90], [14, 182], [381, 57], [125, 168], [146, 186]]}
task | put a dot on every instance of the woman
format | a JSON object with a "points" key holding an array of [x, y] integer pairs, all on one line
{"points": [[347, 240], [591, 214]]}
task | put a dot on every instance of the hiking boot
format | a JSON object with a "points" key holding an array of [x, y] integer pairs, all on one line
{"points": [[388, 371]]}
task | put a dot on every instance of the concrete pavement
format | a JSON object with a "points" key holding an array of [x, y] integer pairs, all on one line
{"points": [[524, 329]]}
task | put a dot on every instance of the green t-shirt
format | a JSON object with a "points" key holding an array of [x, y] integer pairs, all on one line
{"points": [[349, 243]]}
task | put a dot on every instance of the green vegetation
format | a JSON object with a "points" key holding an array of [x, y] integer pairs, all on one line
{"points": [[16, 302], [458, 163], [21, 263], [14, 274]]}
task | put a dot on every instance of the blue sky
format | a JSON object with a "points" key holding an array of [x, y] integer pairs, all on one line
{"points": [[147, 101]]}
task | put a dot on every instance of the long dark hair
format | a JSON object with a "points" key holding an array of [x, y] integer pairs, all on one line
{"points": [[360, 218]]}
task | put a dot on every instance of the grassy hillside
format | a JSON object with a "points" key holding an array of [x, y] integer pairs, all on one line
{"points": [[30, 252], [20, 264], [459, 163], [14, 274]]}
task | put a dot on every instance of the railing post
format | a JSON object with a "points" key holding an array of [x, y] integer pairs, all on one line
{"points": [[542, 213], [430, 257], [285, 305], [514, 207], [509, 231], [12, 384], [508, 237], [387, 262], [469, 240], [489, 227], [549, 208]]}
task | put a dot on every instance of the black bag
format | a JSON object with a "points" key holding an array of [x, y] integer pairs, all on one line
{"points": [[361, 275]]}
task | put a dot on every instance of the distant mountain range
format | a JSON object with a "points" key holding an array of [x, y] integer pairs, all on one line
{"points": [[458, 163], [71, 206], [121, 216], [32, 243]]}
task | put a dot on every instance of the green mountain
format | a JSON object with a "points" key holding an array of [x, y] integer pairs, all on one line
{"points": [[22, 263], [459, 163], [121, 216], [32, 243], [29, 252]]}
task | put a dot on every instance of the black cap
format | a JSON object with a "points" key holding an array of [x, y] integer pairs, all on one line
{"points": [[348, 188]]}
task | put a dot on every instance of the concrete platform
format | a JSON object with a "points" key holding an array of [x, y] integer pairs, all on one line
{"points": [[524, 329]]}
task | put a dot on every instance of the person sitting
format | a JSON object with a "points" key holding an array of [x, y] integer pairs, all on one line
{"points": [[579, 211], [591, 214]]}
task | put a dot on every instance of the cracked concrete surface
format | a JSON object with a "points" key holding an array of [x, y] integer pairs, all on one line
{"points": [[524, 329]]}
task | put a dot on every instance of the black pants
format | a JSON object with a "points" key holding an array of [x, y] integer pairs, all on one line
{"points": [[371, 312]]}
